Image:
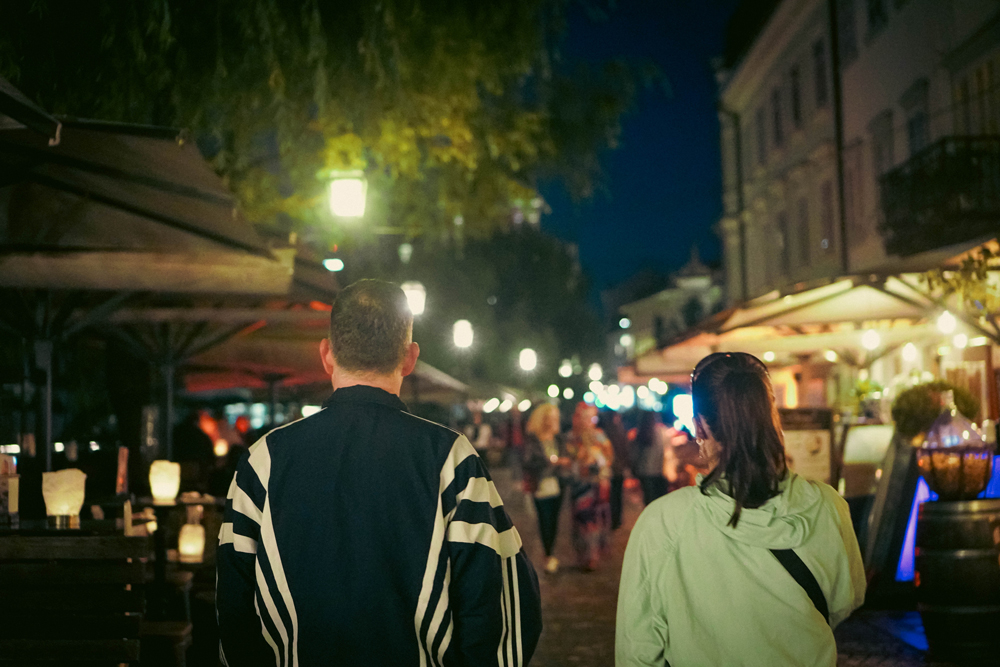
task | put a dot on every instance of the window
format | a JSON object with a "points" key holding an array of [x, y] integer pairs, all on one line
{"points": [[847, 36], [778, 130], [914, 101], [883, 144], [826, 207], [761, 137], [820, 74], [963, 112], [878, 16], [784, 244], [804, 232], [795, 80]]}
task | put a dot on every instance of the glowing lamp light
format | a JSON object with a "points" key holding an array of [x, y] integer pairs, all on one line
{"points": [[348, 193], [589, 398], [624, 323], [220, 447], [830, 356], [626, 340], [568, 393], [164, 481], [946, 323], [565, 368], [596, 386], [769, 356], [333, 264], [506, 405], [871, 340], [595, 372], [191, 543], [524, 405], [553, 391], [960, 341], [491, 405], [63, 494], [527, 359], [416, 296], [627, 397], [462, 334], [683, 409], [910, 352], [979, 341], [642, 392], [944, 351]]}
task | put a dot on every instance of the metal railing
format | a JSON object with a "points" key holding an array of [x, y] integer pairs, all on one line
{"points": [[945, 194]]}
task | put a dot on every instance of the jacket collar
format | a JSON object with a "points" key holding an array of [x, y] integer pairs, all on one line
{"points": [[364, 394]]}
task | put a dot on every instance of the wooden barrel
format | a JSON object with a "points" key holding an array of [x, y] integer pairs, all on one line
{"points": [[957, 576]]}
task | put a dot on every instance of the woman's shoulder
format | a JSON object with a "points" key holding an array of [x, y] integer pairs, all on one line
{"points": [[667, 515]]}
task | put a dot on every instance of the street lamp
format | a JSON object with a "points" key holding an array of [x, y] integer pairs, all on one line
{"points": [[871, 340], [462, 334], [528, 359], [565, 368], [946, 323], [553, 391], [348, 193], [416, 296], [594, 372]]}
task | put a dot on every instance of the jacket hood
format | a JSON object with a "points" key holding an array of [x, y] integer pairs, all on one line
{"points": [[783, 522]]}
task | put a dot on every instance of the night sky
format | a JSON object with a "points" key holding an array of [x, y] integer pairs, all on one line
{"points": [[663, 184]]}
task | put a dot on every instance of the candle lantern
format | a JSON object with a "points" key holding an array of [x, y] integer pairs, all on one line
{"points": [[191, 543], [63, 493], [164, 481]]}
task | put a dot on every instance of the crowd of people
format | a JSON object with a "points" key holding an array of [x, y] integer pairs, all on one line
{"points": [[589, 464]]}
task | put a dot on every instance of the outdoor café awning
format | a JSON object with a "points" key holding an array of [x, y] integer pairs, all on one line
{"points": [[817, 318]]}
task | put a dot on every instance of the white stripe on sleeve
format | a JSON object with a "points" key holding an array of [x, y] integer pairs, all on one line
{"points": [[506, 544]]}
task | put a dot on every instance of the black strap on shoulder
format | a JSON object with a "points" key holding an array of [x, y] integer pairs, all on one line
{"points": [[803, 577]]}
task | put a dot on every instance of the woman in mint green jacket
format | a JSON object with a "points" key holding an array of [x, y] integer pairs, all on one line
{"points": [[702, 582]]}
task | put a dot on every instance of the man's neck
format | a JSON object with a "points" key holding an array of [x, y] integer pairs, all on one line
{"points": [[390, 383]]}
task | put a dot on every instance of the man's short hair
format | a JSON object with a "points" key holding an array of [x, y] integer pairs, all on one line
{"points": [[370, 327]]}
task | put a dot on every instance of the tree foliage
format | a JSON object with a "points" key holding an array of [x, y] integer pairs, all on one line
{"points": [[451, 107], [973, 282]]}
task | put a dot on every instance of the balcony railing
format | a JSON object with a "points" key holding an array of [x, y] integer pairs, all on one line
{"points": [[945, 194]]}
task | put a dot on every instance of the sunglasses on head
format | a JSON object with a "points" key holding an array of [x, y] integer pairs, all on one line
{"points": [[717, 356]]}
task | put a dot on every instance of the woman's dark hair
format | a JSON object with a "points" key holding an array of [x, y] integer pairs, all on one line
{"points": [[732, 393], [645, 433]]}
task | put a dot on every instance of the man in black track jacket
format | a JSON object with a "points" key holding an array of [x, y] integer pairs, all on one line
{"points": [[363, 535]]}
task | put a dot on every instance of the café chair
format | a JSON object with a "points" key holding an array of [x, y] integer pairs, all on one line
{"points": [[72, 599]]}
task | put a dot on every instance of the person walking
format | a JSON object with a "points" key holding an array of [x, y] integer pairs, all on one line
{"points": [[363, 535], [649, 446], [755, 565], [544, 464], [590, 489], [610, 422]]}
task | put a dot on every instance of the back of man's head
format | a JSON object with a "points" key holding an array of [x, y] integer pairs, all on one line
{"points": [[370, 327]]}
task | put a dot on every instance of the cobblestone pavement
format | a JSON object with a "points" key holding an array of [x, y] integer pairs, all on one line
{"points": [[579, 607]]}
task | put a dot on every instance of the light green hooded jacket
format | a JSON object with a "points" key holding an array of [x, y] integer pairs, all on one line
{"points": [[698, 593]]}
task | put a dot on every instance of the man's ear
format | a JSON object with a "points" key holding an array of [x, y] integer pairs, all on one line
{"points": [[326, 354], [410, 358]]}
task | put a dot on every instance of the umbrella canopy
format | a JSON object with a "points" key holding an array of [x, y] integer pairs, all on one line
{"points": [[117, 207], [17, 111]]}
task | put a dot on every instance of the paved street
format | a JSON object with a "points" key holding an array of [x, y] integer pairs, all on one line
{"points": [[579, 607]]}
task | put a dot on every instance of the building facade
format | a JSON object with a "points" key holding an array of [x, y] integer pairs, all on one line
{"points": [[856, 134], [777, 117]]}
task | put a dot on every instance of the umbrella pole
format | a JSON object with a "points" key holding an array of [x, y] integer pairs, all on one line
{"points": [[167, 371], [43, 359]]}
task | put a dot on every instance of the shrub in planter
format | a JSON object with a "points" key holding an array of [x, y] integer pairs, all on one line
{"points": [[915, 409]]}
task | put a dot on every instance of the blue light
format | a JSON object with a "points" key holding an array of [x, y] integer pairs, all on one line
{"points": [[904, 571]]}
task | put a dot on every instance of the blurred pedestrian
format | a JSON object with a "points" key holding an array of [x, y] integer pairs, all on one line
{"points": [[648, 448], [363, 535], [590, 489], [545, 463], [755, 567], [611, 423]]}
